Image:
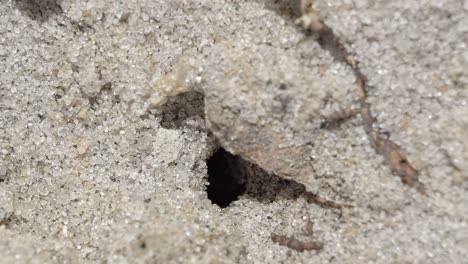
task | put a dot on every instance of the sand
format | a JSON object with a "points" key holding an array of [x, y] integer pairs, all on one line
{"points": [[105, 131]]}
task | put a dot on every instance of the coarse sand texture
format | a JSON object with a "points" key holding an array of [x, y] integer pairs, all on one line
{"points": [[222, 131]]}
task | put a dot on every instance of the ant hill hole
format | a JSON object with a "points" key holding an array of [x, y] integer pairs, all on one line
{"points": [[231, 177], [226, 178]]}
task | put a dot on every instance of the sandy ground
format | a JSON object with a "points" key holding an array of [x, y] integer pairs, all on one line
{"points": [[103, 139]]}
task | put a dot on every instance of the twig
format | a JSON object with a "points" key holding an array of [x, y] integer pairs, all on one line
{"points": [[296, 244], [393, 153]]}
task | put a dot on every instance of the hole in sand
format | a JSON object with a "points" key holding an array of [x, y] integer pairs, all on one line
{"points": [[231, 177], [225, 177]]}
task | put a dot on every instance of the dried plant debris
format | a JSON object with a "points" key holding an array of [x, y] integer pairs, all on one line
{"points": [[296, 244], [4, 221], [394, 154]]}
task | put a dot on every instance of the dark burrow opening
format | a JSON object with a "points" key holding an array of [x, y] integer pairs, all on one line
{"points": [[225, 177], [230, 177]]}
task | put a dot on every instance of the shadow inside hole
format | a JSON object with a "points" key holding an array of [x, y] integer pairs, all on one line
{"points": [[40, 10], [230, 177], [178, 109], [226, 177]]}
